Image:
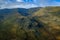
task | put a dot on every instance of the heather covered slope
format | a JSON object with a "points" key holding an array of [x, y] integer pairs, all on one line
{"points": [[51, 17], [40, 24]]}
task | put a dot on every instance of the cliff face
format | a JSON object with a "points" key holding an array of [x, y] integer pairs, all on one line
{"points": [[30, 24]]}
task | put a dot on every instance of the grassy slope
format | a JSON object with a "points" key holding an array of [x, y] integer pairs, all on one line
{"points": [[42, 25], [51, 17]]}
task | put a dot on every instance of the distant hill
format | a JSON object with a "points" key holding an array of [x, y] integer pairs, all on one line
{"points": [[22, 11]]}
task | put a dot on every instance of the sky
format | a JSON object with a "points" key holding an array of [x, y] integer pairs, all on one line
{"points": [[28, 3]]}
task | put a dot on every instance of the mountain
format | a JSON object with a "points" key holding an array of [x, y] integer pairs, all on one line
{"points": [[26, 12], [42, 23], [51, 17], [21, 11]]}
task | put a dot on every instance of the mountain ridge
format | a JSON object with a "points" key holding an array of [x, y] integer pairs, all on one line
{"points": [[40, 24], [23, 11]]}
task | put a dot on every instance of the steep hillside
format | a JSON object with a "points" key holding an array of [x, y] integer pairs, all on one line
{"points": [[51, 17], [30, 24], [21, 11]]}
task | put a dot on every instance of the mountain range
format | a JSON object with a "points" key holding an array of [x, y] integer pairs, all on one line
{"points": [[39, 23]]}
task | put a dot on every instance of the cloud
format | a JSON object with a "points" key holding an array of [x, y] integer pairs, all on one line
{"points": [[18, 4], [55, 3], [27, 3], [45, 3], [19, 0], [23, 5]]}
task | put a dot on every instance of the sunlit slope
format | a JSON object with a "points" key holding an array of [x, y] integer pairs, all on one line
{"points": [[40, 24], [51, 17]]}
